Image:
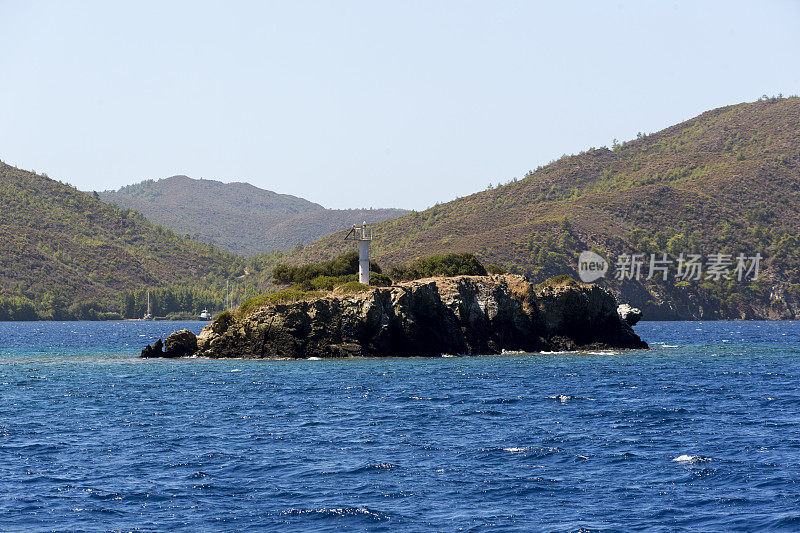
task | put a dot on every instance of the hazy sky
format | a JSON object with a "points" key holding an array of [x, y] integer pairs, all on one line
{"points": [[367, 104]]}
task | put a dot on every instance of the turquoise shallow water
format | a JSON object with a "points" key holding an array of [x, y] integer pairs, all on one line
{"points": [[700, 433]]}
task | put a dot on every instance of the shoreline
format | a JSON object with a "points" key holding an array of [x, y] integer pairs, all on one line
{"points": [[776, 320]]}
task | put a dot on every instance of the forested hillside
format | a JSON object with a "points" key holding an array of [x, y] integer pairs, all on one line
{"points": [[727, 181], [238, 217], [66, 254]]}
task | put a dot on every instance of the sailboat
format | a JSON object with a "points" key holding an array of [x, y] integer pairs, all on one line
{"points": [[147, 315]]}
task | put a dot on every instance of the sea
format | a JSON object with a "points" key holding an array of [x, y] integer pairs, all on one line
{"points": [[700, 433]]}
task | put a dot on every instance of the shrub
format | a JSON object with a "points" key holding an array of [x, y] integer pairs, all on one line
{"points": [[441, 265], [305, 285], [351, 287], [495, 269], [327, 283], [286, 296], [222, 322], [343, 265], [562, 280], [378, 279]]}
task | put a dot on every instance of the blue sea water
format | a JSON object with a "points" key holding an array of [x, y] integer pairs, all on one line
{"points": [[700, 433]]}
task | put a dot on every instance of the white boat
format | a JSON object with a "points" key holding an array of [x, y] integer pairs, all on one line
{"points": [[147, 315], [205, 315]]}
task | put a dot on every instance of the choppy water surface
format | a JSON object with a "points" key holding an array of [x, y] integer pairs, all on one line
{"points": [[702, 432]]}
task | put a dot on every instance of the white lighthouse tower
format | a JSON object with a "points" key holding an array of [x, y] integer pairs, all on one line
{"points": [[363, 235]]}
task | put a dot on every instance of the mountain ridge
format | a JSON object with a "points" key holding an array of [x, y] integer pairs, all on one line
{"points": [[238, 216]]}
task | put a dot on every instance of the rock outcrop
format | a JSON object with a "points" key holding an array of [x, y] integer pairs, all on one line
{"points": [[156, 350], [461, 315], [180, 344], [630, 315]]}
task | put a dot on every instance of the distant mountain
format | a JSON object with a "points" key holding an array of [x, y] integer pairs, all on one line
{"points": [[64, 254], [238, 217], [727, 181]]}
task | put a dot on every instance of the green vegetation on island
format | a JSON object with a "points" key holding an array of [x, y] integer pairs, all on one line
{"points": [[447, 265], [339, 276], [343, 265]]}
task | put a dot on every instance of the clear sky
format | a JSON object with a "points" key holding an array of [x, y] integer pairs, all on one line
{"points": [[367, 103]]}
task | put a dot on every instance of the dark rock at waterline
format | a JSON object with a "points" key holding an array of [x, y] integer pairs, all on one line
{"points": [[154, 351], [460, 315], [180, 344]]}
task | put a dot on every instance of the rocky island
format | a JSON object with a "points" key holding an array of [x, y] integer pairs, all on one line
{"points": [[429, 317]]}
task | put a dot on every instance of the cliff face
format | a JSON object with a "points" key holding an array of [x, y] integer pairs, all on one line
{"points": [[462, 315]]}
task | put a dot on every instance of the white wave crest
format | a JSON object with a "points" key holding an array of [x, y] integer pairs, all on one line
{"points": [[690, 459]]}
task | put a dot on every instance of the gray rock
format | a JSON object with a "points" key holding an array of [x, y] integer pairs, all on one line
{"points": [[180, 344], [153, 351]]}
